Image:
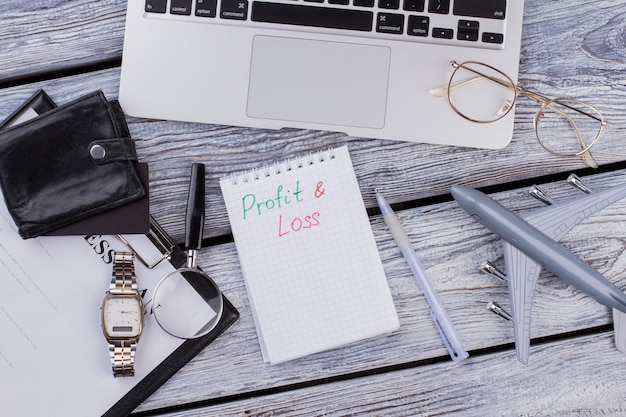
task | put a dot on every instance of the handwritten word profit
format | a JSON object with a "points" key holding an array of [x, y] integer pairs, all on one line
{"points": [[253, 205]]}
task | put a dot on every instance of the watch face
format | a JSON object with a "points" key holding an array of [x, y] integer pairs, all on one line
{"points": [[122, 316]]}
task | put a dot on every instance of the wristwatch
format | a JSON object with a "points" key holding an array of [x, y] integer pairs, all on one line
{"points": [[122, 315]]}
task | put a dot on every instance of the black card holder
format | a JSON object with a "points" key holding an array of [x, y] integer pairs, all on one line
{"points": [[37, 104], [68, 164]]}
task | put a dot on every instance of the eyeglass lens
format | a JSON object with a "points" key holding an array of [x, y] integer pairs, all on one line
{"points": [[480, 93], [567, 127]]}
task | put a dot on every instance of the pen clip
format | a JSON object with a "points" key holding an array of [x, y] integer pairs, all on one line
{"points": [[456, 353]]}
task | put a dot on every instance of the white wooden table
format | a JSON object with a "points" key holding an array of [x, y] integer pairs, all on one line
{"points": [[569, 48]]}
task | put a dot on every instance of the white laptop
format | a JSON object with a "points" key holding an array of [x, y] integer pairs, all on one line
{"points": [[362, 67]]}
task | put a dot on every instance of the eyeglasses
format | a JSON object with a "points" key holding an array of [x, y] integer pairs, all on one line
{"points": [[564, 127]]}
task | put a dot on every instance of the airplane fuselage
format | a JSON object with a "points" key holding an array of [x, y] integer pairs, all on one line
{"points": [[539, 247]]}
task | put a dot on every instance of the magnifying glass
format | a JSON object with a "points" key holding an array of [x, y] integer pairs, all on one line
{"points": [[187, 303]]}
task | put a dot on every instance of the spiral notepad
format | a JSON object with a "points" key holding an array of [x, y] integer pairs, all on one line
{"points": [[308, 255]]}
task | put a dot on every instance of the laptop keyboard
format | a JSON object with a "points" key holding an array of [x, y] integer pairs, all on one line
{"points": [[475, 23]]}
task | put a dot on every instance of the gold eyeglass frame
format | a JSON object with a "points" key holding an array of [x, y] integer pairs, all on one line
{"points": [[544, 101]]}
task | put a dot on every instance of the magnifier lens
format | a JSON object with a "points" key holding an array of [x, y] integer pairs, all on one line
{"points": [[187, 303]]}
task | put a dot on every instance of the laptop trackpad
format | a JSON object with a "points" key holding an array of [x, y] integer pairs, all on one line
{"points": [[318, 82]]}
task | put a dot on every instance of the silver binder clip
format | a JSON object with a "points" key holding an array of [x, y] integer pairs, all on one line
{"points": [[491, 269], [576, 182], [159, 239], [541, 195], [497, 309]]}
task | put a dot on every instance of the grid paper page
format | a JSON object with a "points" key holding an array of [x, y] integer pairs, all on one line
{"points": [[308, 255]]}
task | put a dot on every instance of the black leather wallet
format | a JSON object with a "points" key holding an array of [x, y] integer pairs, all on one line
{"points": [[68, 164]]}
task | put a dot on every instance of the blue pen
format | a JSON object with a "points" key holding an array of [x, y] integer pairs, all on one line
{"points": [[438, 313]]}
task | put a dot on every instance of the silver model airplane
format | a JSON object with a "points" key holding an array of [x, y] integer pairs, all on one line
{"points": [[530, 244]]}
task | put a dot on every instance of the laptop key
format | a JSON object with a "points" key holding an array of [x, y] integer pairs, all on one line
{"points": [[490, 9], [413, 5], [181, 7], [234, 9], [389, 4], [443, 33], [418, 25], [439, 6], [206, 8], [390, 23], [156, 6], [467, 30], [294, 14], [489, 37]]}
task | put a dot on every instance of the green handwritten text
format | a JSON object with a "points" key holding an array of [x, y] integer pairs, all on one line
{"points": [[253, 205]]}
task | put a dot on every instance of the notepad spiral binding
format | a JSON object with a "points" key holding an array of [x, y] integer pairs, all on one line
{"points": [[287, 165]]}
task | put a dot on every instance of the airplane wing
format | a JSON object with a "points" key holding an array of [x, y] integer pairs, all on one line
{"points": [[522, 274], [558, 219]]}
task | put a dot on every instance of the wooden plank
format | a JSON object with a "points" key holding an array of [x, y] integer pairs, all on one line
{"points": [[582, 376], [452, 247], [40, 37]]}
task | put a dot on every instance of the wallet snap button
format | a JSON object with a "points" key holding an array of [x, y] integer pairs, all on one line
{"points": [[97, 152]]}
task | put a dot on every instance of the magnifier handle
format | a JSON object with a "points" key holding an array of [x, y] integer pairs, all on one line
{"points": [[194, 220]]}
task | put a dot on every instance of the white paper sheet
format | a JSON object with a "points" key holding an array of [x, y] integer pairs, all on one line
{"points": [[54, 359]]}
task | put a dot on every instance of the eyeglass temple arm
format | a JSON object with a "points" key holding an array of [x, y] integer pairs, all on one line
{"points": [[450, 87], [443, 91], [543, 100]]}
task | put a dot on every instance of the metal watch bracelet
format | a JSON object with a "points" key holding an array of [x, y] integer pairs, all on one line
{"points": [[123, 281]]}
